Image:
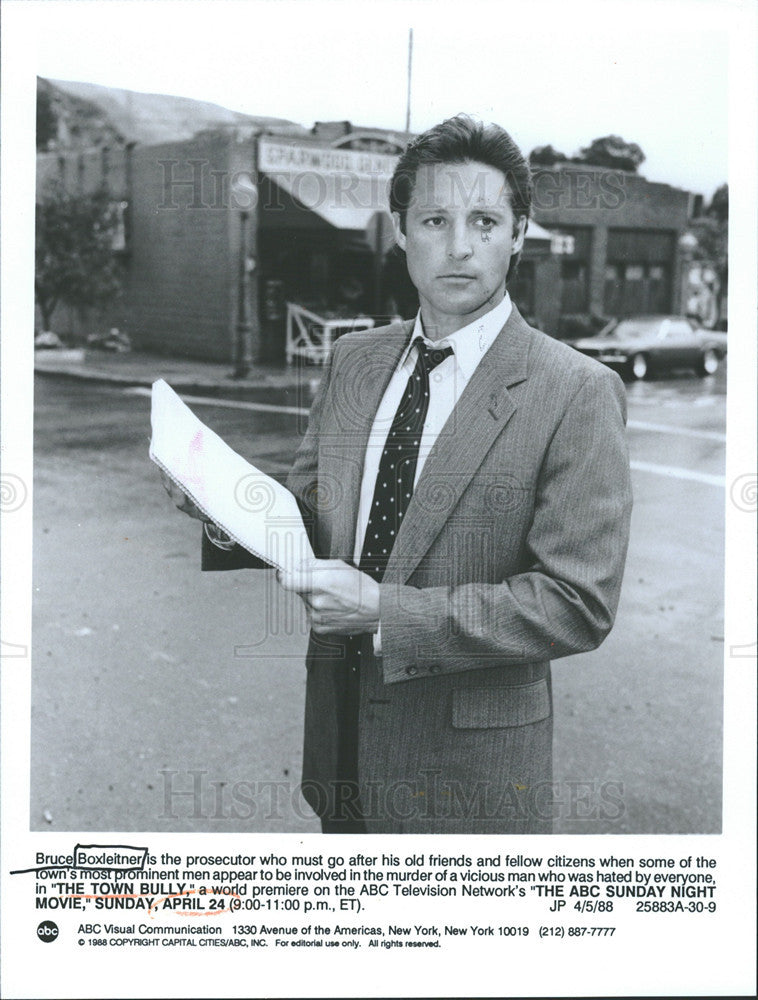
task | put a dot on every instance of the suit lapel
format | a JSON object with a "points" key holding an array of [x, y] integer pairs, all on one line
{"points": [[360, 382], [483, 410]]}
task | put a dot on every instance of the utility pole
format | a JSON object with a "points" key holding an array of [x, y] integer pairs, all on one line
{"points": [[410, 67]]}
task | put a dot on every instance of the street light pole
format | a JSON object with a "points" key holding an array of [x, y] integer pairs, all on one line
{"points": [[244, 195], [243, 353], [410, 67]]}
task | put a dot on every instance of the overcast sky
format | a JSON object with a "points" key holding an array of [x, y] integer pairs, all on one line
{"points": [[654, 73]]}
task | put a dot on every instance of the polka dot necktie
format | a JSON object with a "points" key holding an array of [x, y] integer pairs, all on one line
{"points": [[397, 465]]}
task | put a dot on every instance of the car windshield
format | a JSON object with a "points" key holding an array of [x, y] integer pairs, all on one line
{"points": [[629, 329]]}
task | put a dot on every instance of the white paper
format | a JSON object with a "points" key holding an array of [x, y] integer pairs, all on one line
{"points": [[252, 508]]}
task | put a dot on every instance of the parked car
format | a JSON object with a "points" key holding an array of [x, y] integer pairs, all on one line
{"points": [[639, 345]]}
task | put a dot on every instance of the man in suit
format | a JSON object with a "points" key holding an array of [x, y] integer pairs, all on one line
{"points": [[466, 480]]}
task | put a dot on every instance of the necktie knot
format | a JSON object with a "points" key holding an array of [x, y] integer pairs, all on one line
{"points": [[430, 357]]}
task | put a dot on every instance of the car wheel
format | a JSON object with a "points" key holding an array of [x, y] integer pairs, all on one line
{"points": [[708, 363], [638, 367]]}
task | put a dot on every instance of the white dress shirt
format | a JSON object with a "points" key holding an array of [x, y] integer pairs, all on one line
{"points": [[446, 384]]}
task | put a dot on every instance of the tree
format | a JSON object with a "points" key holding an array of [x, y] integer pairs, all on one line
{"points": [[719, 206], [74, 259], [712, 231], [47, 123], [708, 264], [612, 151], [546, 156]]}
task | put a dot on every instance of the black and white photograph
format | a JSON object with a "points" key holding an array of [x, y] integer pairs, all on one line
{"points": [[379, 459]]}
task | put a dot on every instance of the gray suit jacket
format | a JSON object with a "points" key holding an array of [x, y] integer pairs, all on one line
{"points": [[511, 553]]}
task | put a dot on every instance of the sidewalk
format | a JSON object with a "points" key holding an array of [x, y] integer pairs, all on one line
{"points": [[138, 368]]}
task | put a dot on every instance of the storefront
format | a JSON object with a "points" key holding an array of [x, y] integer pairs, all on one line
{"points": [[323, 234], [615, 245]]}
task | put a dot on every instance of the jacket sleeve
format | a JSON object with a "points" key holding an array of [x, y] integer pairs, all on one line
{"points": [[565, 599]]}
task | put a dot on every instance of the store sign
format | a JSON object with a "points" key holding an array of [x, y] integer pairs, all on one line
{"points": [[284, 158]]}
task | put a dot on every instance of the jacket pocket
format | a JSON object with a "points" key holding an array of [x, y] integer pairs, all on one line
{"points": [[493, 708]]}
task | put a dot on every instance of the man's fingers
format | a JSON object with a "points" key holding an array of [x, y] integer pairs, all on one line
{"points": [[300, 579], [329, 628], [321, 627], [319, 601], [180, 499], [175, 492], [290, 579], [170, 487]]}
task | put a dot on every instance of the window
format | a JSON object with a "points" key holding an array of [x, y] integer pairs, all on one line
{"points": [[121, 232], [679, 328], [638, 275], [634, 288], [573, 244], [574, 286]]}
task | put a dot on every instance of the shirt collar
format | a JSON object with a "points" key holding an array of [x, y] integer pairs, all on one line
{"points": [[472, 341]]}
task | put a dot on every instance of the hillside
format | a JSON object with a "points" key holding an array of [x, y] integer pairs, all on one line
{"points": [[76, 111]]}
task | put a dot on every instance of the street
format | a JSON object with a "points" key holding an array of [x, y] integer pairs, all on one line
{"points": [[166, 699]]}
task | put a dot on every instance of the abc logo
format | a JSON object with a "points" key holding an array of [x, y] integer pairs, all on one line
{"points": [[47, 931]]}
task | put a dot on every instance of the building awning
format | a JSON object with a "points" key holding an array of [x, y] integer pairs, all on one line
{"points": [[345, 201], [536, 233]]}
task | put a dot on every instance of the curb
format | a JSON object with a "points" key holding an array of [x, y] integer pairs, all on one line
{"points": [[85, 375], [181, 383]]}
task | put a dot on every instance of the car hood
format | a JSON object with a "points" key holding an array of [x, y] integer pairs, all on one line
{"points": [[598, 343]]}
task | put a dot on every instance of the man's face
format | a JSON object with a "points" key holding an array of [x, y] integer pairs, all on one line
{"points": [[460, 235]]}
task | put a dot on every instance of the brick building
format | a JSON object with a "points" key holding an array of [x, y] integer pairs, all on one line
{"points": [[615, 241]]}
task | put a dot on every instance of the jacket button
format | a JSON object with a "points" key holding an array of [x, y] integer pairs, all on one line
{"points": [[411, 671], [435, 668]]}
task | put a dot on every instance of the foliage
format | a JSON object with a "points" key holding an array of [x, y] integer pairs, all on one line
{"points": [[47, 125], [74, 259], [546, 156], [719, 206], [612, 151], [712, 232], [608, 151]]}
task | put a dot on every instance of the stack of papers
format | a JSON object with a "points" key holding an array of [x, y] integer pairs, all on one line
{"points": [[251, 507]]}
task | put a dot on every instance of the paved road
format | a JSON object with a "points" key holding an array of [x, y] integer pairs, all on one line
{"points": [[166, 699]]}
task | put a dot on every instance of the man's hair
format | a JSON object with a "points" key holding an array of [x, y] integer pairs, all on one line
{"points": [[461, 140]]}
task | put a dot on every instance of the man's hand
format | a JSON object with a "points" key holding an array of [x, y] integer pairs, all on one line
{"points": [[340, 600], [180, 498]]}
